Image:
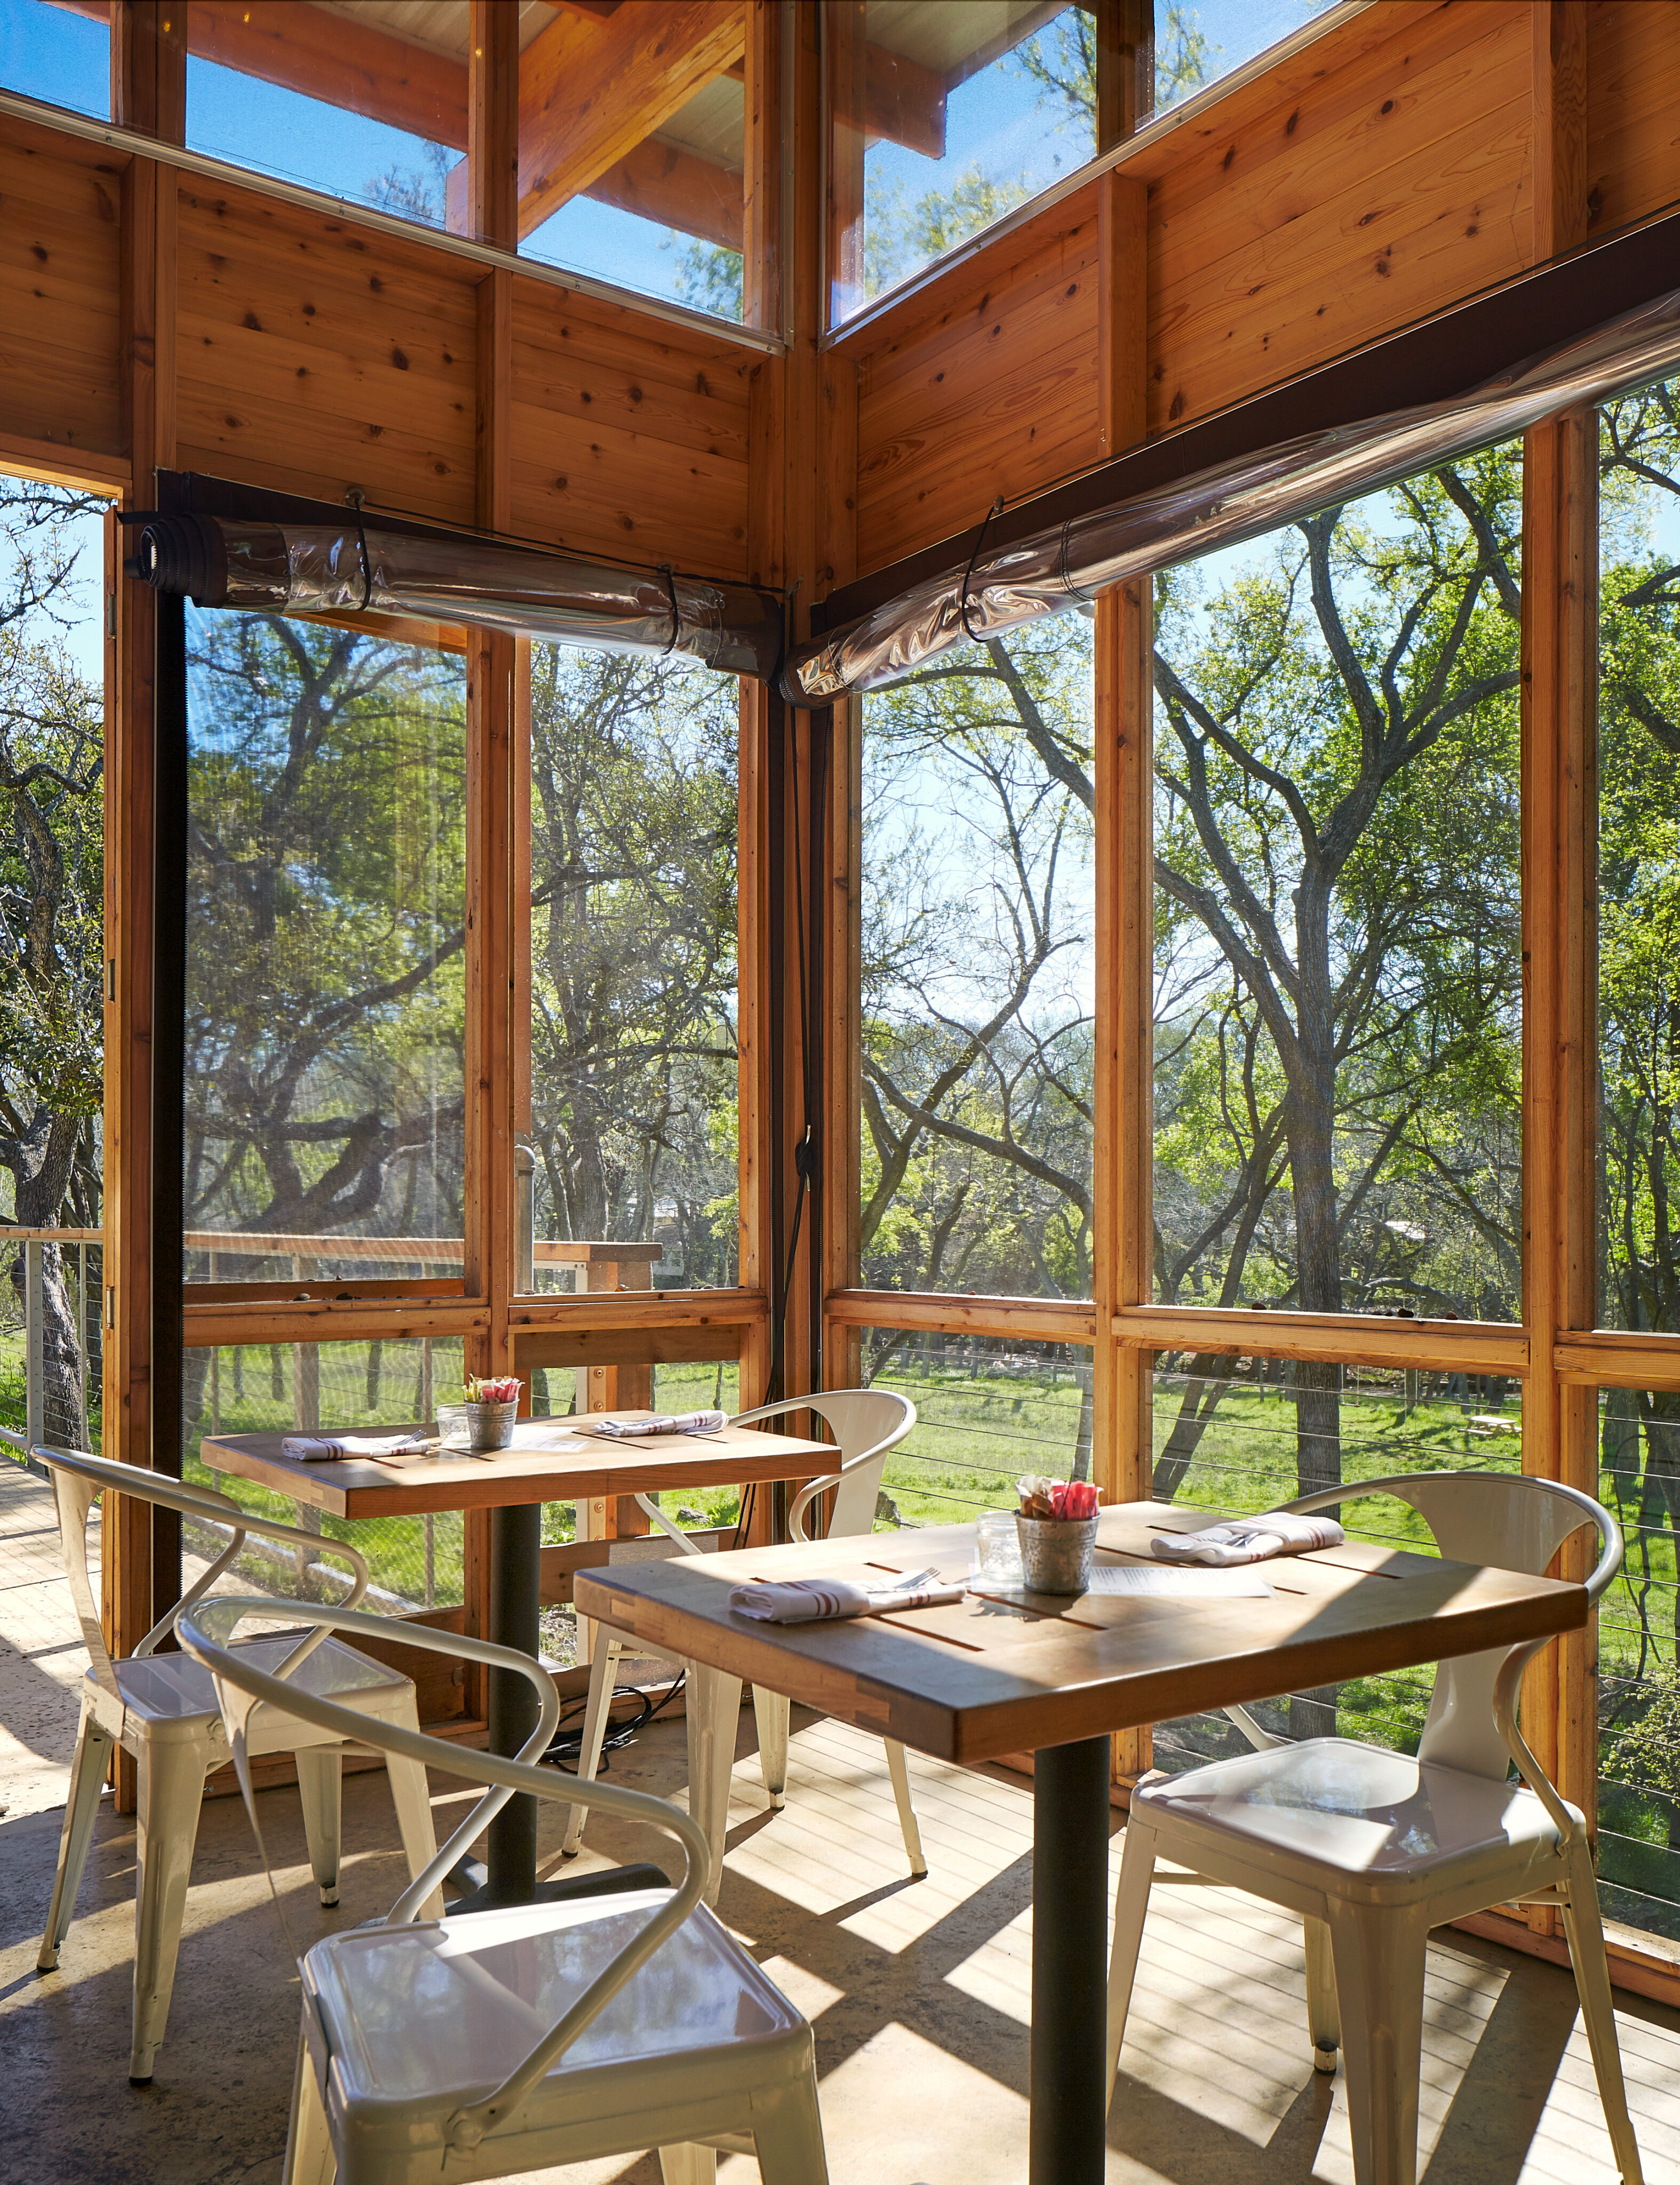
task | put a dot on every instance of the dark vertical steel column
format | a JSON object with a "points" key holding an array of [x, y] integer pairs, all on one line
{"points": [[1070, 1904], [516, 1541], [169, 1072]]}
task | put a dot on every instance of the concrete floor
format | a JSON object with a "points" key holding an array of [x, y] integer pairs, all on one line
{"points": [[917, 1990]]}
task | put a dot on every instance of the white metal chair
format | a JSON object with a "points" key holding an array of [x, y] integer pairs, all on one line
{"points": [[512, 2040], [161, 1708], [1374, 1848], [866, 1424]]}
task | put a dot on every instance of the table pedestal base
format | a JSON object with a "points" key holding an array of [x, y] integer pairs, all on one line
{"points": [[1070, 1983], [516, 1551]]}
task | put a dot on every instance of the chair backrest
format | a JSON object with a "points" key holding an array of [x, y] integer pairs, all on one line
{"points": [[205, 1630], [867, 1424], [79, 1478], [1510, 1524]]}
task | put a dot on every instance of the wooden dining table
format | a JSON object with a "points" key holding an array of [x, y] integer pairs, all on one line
{"points": [[558, 1460], [1003, 1672]]}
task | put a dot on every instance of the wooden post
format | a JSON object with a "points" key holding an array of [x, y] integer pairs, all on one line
{"points": [[1123, 1153], [1559, 154], [1559, 1195], [799, 754], [1125, 69], [764, 227], [492, 864], [1559, 697], [842, 1050], [777, 743], [492, 123], [148, 78]]}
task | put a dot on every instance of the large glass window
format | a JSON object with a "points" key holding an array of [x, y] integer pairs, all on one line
{"points": [[363, 103], [978, 970], [1638, 1682], [1248, 1458], [1338, 923], [988, 1408], [943, 120], [325, 930], [1196, 44], [632, 148], [61, 54], [52, 956], [1638, 934], [629, 1164], [1638, 876], [414, 1563]]}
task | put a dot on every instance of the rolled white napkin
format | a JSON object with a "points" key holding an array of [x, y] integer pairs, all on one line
{"points": [[325, 1449], [1249, 1539], [813, 1600], [684, 1423]]}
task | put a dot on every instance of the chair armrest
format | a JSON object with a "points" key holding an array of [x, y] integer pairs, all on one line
{"points": [[1507, 1690], [266, 1528], [652, 1509], [807, 1495], [205, 1630], [1261, 1740]]}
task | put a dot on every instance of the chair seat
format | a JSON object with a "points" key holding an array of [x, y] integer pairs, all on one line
{"points": [[419, 2020], [1388, 1826], [170, 1696]]}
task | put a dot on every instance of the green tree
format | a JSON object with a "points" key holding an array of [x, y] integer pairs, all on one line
{"points": [[52, 918], [633, 952], [1639, 897], [325, 1017], [1336, 868]]}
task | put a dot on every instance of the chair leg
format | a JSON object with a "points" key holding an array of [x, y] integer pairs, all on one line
{"points": [[1584, 1929], [411, 1795], [1131, 1909], [172, 1789], [899, 1772], [771, 1711], [714, 1701], [1323, 2021], [87, 1773], [688, 2165], [1378, 1958], [321, 1770], [787, 2132], [310, 2159], [602, 1670]]}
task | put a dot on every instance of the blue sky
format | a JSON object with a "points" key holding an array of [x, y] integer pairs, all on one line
{"points": [[47, 54]]}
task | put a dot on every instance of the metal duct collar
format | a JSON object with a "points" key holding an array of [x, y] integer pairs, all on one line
{"points": [[1067, 566], [283, 568]]}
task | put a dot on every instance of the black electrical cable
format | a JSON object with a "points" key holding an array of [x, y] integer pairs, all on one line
{"points": [[804, 1153], [565, 1746]]}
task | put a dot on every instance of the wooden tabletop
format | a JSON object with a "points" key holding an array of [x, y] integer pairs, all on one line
{"points": [[554, 1462], [992, 1675]]}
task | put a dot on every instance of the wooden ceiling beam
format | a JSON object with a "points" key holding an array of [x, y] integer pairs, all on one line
{"points": [[590, 92], [903, 102], [661, 181], [339, 60]]}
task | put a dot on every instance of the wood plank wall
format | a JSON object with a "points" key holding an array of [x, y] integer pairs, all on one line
{"points": [[318, 357]]}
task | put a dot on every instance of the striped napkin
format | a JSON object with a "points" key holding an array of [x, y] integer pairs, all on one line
{"points": [[685, 1423], [327, 1449], [1249, 1539], [812, 1600]]}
